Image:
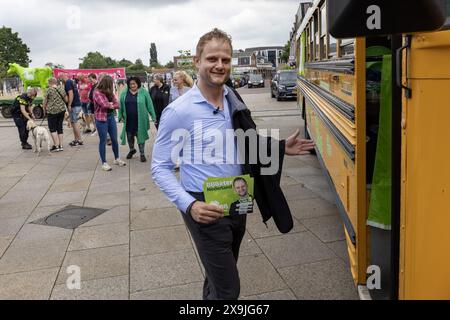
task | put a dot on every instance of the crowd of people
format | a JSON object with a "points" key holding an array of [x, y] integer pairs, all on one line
{"points": [[209, 102], [96, 103]]}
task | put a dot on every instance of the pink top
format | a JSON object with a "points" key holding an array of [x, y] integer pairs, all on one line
{"points": [[102, 105], [84, 88]]}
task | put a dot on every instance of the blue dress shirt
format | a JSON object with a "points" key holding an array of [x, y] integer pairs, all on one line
{"points": [[204, 154]]}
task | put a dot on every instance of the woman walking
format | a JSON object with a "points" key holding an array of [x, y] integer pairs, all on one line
{"points": [[135, 106], [182, 83], [55, 106], [105, 104], [160, 94]]}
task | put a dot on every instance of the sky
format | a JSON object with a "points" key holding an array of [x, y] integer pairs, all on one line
{"points": [[63, 31]]}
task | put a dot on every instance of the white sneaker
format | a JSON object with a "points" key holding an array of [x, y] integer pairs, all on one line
{"points": [[119, 163], [94, 133], [106, 167]]}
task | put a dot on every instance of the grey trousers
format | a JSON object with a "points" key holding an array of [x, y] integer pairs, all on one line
{"points": [[130, 138], [218, 246]]}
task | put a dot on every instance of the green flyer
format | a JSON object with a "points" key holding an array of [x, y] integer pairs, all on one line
{"points": [[233, 194]]}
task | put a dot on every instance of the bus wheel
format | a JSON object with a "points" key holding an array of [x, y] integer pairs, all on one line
{"points": [[6, 111], [38, 112]]}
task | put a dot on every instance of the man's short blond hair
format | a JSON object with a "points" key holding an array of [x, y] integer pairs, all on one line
{"points": [[215, 34]]}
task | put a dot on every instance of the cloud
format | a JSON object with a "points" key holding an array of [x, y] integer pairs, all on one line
{"points": [[64, 31]]}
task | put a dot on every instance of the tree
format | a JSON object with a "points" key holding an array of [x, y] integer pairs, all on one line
{"points": [[170, 65], [286, 52], [54, 65], [137, 66], [12, 49], [95, 60], [124, 63], [154, 56]]}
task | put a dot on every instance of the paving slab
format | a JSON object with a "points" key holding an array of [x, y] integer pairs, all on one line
{"points": [[14, 209], [5, 241], [249, 246], [102, 289], [68, 198], [152, 201], [107, 201], [10, 226], [327, 229], [40, 235], [34, 285], [324, 280], [101, 236], [258, 229], [191, 291], [340, 248], [258, 276], [271, 296], [20, 259], [120, 214], [156, 218], [7, 183], [293, 249], [164, 270], [298, 192], [97, 263], [312, 208], [154, 241]]}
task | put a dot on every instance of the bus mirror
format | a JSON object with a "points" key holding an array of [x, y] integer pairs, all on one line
{"points": [[354, 18]]}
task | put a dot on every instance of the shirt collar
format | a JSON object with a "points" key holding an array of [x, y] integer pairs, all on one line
{"points": [[198, 96]]}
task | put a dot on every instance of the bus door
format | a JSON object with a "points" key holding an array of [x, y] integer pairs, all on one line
{"points": [[425, 210]]}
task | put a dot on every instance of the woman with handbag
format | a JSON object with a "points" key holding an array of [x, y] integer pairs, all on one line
{"points": [[55, 107]]}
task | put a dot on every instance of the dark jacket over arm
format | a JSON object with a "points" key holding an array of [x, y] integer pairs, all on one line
{"points": [[268, 194]]}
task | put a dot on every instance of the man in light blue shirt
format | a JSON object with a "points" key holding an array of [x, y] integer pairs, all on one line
{"points": [[197, 128]]}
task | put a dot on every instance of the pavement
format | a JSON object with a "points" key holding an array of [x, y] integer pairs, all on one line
{"points": [[139, 248]]}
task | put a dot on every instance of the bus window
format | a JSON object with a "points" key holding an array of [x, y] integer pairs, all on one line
{"points": [[332, 49], [323, 33], [317, 36], [347, 47]]}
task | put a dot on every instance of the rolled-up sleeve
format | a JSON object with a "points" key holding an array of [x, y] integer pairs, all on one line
{"points": [[162, 164]]}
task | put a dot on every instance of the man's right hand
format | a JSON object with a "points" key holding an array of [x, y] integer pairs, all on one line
{"points": [[206, 213]]}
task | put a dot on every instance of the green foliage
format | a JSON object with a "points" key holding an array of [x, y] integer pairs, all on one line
{"points": [[54, 65], [124, 63], [170, 65], [154, 56], [12, 49], [286, 52], [95, 60], [137, 66], [186, 65]]}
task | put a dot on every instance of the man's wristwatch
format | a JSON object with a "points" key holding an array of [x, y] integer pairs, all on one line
{"points": [[188, 210]]}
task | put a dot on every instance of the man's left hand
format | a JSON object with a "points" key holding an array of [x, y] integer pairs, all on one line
{"points": [[298, 147]]}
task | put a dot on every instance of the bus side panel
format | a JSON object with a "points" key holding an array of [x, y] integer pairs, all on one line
{"points": [[341, 170], [425, 218]]}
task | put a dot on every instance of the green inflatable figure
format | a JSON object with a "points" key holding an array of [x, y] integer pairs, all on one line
{"points": [[31, 77]]}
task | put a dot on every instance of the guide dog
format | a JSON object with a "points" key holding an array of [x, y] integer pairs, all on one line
{"points": [[40, 135]]}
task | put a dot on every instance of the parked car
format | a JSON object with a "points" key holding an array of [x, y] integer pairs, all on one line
{"points": [[284, 85], [256, 80]]}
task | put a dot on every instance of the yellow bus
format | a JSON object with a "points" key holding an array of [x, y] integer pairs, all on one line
{"points": [[374, 90]]}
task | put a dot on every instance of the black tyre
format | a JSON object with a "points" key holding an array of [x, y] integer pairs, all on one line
{"points": [[38, 112], [6, 111]]}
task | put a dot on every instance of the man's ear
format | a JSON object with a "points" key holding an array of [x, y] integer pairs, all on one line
{"points": [[197, 62]]}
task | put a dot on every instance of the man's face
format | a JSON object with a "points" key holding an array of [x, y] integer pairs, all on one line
{"points": [[214, 65], [241, 188], [32, 95]]}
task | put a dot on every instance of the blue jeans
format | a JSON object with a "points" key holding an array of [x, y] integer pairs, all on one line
{"points": [[103, 128]]}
